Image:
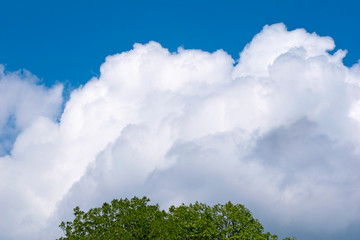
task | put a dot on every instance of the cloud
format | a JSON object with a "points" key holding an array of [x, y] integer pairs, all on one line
{"points": [[22, 101], [277, 131]]}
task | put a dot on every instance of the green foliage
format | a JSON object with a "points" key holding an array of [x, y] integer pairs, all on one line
{"points": [[135, 219]]}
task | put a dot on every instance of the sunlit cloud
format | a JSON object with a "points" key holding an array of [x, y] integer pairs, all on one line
{"points": [[277, 130]]}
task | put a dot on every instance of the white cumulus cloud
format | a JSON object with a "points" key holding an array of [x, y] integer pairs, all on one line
{"points": [[278, 131]]}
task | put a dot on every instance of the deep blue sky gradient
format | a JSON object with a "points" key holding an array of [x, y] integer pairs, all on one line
{"points": [[66, 41]]}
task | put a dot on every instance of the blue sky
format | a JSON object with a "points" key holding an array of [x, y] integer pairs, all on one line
{"points": [[67, 41], [248, 101]]}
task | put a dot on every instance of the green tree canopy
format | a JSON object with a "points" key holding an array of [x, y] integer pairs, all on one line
{"points": [[136, 219]]}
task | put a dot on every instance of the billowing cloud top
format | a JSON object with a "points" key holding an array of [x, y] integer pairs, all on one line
{"points": [[277, 131]]}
